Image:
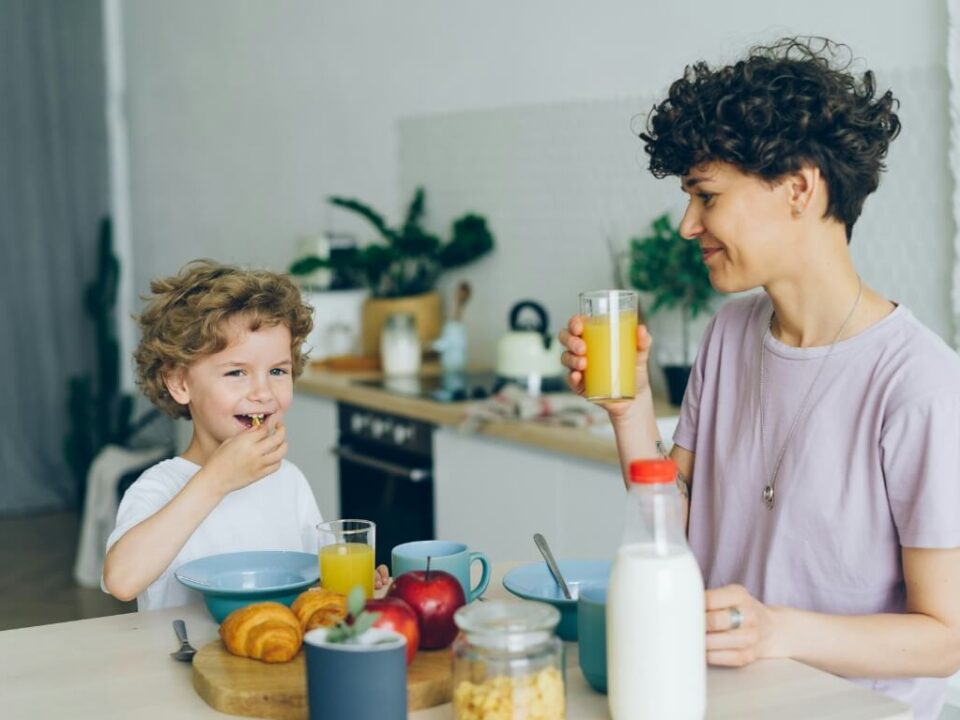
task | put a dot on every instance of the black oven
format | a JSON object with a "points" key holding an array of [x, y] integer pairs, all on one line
{"points": [[386, 475]]}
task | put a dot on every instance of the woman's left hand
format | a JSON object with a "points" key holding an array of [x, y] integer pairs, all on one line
{"points": [[735, 644]]}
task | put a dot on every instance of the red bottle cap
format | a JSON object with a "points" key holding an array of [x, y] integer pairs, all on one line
{"points": [[652, 472]]}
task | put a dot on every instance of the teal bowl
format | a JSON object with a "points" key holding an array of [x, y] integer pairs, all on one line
{"points": [[534, 582], [234, 580]]}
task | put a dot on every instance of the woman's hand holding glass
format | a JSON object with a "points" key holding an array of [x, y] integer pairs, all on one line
{"points": [[574, 359]]}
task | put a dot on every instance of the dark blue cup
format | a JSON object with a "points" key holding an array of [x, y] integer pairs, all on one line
{"points": [[357, 681], [592, 634]]}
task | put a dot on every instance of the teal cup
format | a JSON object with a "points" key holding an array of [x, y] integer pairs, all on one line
{"points": [[451, 557], [592, 634]]}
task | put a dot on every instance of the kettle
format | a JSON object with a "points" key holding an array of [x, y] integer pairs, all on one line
{"points": [[527, 353]]}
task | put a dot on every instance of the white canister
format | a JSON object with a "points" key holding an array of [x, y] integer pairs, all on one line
{"points": [[400, 345]]}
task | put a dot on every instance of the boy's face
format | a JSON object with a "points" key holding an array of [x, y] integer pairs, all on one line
{"points": [[251, 376]]}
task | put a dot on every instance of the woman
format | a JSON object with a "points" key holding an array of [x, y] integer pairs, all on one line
{"points": [[819, 438]]}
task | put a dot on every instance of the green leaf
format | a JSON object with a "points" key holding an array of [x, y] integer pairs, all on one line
{"points": [[356, 600]]}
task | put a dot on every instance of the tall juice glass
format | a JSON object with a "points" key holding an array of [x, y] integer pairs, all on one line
{"points": [[347, 555], [610, 332]]}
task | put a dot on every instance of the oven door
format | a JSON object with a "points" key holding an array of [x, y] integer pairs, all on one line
{"points": [[391, 487]]}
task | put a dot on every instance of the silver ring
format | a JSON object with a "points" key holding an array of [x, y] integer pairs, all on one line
{"points": [[736, 618]]}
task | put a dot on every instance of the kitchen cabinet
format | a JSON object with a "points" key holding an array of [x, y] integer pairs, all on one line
{"points": [[311, 434], [494, 495]]}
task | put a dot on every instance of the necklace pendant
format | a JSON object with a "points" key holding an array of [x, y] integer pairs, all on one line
{"points": [[768, 497]]}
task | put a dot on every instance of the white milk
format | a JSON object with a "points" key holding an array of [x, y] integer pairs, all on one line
{"points": [[656, 663]]}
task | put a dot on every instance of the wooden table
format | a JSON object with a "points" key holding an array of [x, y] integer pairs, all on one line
{"points": [[118, 667]]}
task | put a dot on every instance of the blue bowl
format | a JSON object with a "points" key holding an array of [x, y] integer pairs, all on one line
{"points": [[235, 580], [534, 582]]}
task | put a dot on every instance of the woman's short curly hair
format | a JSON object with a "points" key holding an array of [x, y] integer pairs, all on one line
{"points": [[186, 319], [786, 106]]}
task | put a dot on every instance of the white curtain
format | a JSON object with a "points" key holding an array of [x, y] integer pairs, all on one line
{"points": [[53, 192]]}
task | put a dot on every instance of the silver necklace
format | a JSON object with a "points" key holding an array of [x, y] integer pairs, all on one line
{"points": [[769, 491]]}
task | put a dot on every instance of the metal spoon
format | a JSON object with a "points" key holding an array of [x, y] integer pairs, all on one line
{"points": [[186, 651], [541, 542]]}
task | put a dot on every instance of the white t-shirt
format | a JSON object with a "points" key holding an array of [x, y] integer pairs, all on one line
{"points": [[278, 512]]}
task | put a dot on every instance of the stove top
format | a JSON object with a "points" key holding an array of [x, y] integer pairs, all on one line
{"points": [[452, 387]]}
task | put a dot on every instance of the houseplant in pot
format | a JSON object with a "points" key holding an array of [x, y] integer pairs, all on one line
{"points": [[401, 272], [670, 268]]}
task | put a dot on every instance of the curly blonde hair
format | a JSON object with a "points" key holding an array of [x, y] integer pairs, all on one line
{"points": [[186, 318]]}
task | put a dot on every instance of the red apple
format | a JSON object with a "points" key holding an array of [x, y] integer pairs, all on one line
{"points": [[396, 615], [435, 596]]}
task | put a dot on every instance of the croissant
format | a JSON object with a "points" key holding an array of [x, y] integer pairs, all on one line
{"points": [[265, 631], [319, 608]]}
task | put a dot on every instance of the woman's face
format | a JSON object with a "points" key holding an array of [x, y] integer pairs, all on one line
{"points": [[742, 223]]}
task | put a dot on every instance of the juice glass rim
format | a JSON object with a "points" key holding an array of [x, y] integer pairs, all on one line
{"points": [[339, 528], [607, 293]]}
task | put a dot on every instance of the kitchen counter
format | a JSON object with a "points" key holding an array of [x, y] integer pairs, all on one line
{"points": [[119, 667], [586, 443]]}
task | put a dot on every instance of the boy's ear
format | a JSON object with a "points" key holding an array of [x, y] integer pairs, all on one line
{"points": [[176, 383]]}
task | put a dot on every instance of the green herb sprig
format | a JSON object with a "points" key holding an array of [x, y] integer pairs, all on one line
{"points": [[357, 621]]}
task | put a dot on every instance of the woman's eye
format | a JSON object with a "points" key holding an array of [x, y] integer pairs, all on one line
{"points": [[705, 198]]}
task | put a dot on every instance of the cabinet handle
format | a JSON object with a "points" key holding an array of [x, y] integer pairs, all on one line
{"points": [[411, 474]]}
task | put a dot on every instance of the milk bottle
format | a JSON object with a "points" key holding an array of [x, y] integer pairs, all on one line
{"points": [[656, 663]]}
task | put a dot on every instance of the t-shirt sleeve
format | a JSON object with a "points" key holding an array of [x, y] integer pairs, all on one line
{"points": [[143, 498], [920, 448], [309, 514], [686, 433]]}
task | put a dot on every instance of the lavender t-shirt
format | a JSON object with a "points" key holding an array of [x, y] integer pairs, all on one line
{"points": [[874, 465]]}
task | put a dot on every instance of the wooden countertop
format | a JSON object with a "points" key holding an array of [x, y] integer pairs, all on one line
{"points": [[119, 667], [583, 443]]}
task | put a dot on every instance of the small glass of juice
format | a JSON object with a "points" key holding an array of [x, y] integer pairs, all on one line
{"points": [[347, 555], [610, 332]]}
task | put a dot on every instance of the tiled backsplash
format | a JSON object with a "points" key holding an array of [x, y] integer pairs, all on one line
{"points": [[555, 181]]}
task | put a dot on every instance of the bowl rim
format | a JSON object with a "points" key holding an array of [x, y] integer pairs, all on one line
{"points": [[309, 561], [510, 579]]}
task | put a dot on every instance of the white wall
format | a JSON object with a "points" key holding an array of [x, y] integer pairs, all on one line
{"points": [[245, 114]]}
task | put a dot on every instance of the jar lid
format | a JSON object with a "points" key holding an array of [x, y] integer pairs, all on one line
{"points": [[508, 624]]}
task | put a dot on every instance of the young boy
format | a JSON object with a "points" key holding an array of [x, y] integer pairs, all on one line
{"points": [[220, 346]]}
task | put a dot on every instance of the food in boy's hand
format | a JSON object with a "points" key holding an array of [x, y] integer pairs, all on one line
{"points": [[317, 607], [256, 420], [396, 615], [434, 595], [265, 631]]}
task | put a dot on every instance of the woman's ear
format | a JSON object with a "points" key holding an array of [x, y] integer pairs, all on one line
{"points": [[803, 186], [175, 381]]}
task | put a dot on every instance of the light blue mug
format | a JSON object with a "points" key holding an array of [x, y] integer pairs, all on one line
{"points": [[451, 557]]}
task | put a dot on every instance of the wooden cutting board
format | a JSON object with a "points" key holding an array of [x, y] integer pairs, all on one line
{"points": [[242, 686]]}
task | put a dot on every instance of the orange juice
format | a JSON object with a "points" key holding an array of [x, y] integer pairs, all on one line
{"points": [[343, 566], [611, 356]]}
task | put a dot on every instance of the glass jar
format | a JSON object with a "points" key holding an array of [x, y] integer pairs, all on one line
{"points": [[507, 662], [400, 345]]}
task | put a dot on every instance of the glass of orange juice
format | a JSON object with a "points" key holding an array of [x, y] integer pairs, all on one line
{"points": [[610, 332], [347, 555]]}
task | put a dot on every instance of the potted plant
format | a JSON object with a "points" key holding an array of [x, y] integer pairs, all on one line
{"points": [[355, 669], [671, 269], [401, 273]]}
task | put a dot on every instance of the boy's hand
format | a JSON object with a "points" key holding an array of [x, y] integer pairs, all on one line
{"points": [[247, 457], [381, 578]]}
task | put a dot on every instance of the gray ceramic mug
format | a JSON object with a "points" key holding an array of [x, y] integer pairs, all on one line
{"points": [[357, 681], [451, 557]]}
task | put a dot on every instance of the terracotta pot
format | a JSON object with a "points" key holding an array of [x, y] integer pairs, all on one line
{"points": [[426, 308]]}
